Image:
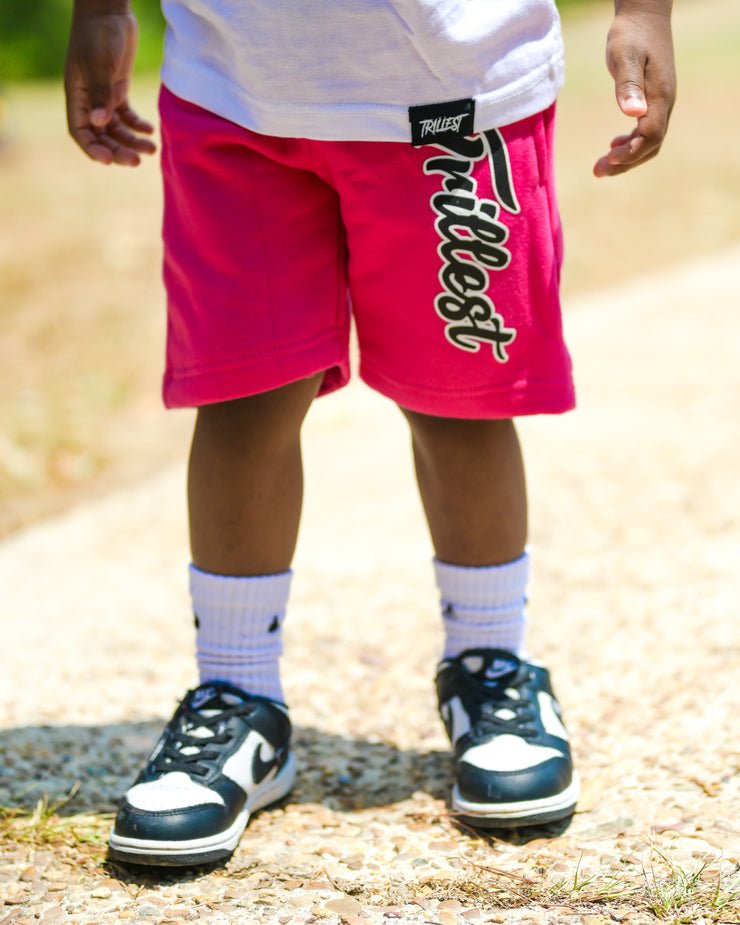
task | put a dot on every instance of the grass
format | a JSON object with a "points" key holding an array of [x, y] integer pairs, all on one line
{"points": [[45, 826], [661, 890], [80, 297], [679, 895], [664, 892], [82, 316], [82, 329]]}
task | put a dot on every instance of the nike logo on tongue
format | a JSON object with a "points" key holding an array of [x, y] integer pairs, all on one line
{"points": [[201, 696], [498, 668]]}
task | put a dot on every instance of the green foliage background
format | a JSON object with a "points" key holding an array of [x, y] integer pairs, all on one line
{"points": [[33, 36]]}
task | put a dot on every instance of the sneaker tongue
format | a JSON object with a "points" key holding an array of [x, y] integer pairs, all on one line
{"points": [[493, 666]]}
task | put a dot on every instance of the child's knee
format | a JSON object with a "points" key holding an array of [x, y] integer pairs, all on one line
{"points": [[430, 431], [266, 420]]}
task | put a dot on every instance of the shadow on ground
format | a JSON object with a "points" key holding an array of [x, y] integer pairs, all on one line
{"points": [[97, 763]]}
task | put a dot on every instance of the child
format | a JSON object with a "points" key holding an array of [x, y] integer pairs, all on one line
{"points": [[394, 156]]}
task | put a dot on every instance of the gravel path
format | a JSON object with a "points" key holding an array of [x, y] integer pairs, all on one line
{"points": [[635, 510]]}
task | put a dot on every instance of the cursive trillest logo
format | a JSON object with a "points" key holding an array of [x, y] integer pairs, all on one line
{"points": [[473, 240]]}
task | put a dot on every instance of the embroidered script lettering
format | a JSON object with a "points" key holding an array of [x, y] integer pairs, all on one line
{"points": [[473, 241]]}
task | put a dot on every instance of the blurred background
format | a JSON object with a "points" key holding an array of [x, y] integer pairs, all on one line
{"points": [[81, 304]]}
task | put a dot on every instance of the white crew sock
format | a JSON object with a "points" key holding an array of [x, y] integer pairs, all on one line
{"points": [[484, 607], [239, 629]]}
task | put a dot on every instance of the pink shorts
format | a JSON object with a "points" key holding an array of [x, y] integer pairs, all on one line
{"points": [[446, 256]]}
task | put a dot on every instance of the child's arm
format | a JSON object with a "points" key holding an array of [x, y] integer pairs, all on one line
{"points": [[100, 57], [639, 55]]}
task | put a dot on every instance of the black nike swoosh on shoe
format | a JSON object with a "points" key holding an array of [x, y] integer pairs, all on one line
{"points": [[260, 768]]}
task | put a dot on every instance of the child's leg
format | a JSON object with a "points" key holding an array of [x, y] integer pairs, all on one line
{"points": [[257, 298], [513, 762], [245, 484], [471, 480], [225, 752], [457, 308], [245, 491]]}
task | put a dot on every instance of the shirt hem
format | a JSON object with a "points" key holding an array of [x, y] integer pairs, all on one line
{"points": [[212, 91]]}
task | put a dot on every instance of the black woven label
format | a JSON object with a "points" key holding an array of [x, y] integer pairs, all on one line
{"points": [[441, 121]]}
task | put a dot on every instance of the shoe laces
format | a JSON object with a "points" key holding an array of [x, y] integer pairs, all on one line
{"points": [[504, 706], [196, 737]]}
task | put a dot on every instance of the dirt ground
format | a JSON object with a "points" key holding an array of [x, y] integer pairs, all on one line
{"points": [[635, 507], [635, 510]]}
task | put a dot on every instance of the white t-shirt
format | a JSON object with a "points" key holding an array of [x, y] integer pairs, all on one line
{"points": [[350, 69]]}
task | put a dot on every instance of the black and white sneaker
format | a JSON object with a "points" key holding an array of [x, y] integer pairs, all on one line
{"points": [[513, 765], [223, 755]]}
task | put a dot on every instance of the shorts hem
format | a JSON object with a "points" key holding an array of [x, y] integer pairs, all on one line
{"points": [[502, 401], [240, 379]]}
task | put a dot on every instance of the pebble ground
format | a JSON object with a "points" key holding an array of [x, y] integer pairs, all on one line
{"points": [[635, 507]]}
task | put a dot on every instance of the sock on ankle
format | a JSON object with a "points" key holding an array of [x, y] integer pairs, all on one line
{"points": [[239, 629], [484, 607]]}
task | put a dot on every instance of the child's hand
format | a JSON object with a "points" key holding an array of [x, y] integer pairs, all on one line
{"points": [[100, 57], [639, 55]]}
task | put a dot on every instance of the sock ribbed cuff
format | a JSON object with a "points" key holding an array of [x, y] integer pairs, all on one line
{"points": [[239, 629], [224, 591], [484, 607], [490, 586]]}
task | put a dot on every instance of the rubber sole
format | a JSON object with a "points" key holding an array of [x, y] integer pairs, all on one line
{"points": [[516, 815]]}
